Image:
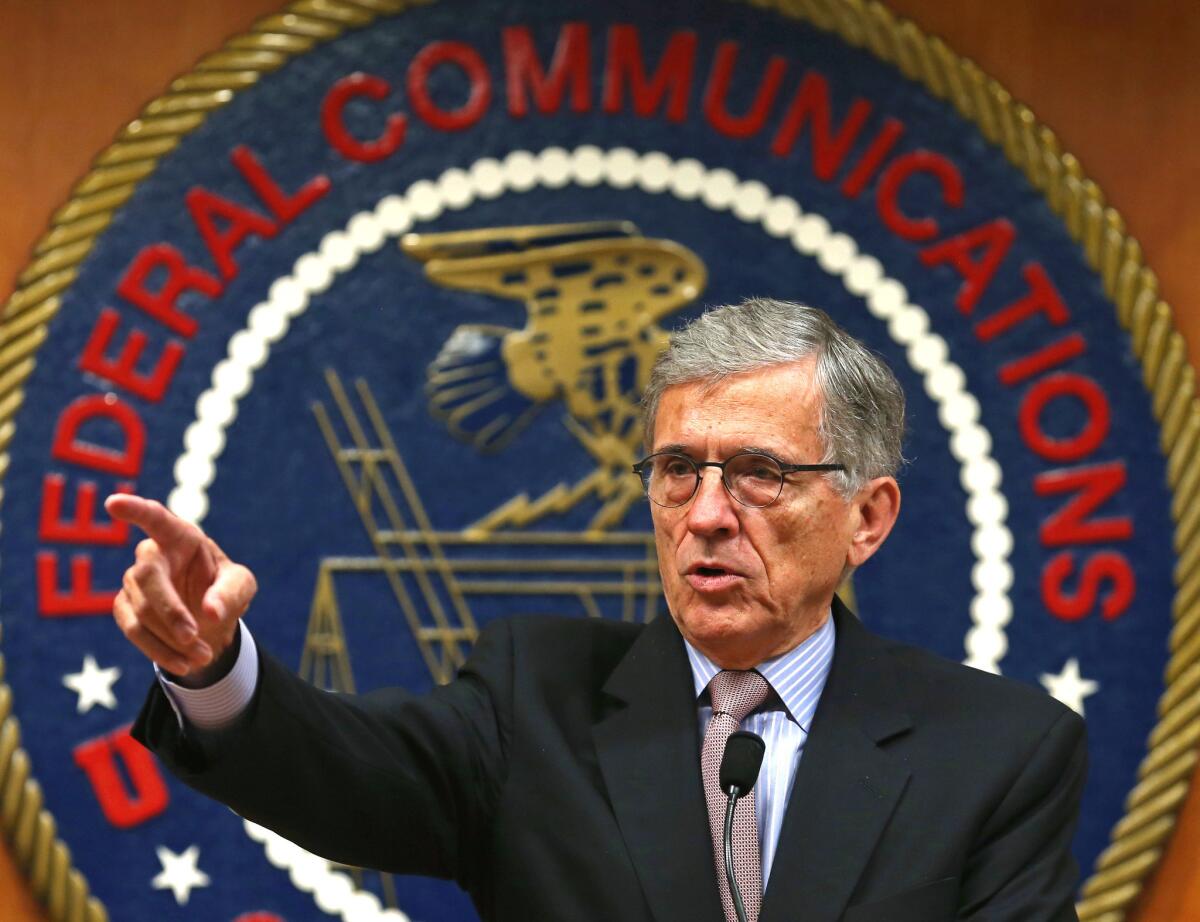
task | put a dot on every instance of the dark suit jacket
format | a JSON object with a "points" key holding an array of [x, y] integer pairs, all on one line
{"points": [[558, 779]]}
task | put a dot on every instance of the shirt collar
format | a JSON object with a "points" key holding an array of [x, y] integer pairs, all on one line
{"points": [[797, 676]]}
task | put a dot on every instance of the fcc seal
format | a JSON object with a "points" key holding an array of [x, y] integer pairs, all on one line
{"points": [[373, 297]]}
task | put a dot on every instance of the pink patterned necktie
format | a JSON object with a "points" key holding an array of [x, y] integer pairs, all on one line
{"points": [[734, 696]]}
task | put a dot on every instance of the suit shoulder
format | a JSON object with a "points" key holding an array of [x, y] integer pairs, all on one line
{"points": [[549, 642], [946, 685], [554, 666], [569, 637]]}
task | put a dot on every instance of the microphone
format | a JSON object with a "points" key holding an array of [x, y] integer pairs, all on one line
{"points": [[739, 770]]}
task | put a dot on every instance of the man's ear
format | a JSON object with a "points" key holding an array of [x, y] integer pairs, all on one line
{"points": [[878, 505]]}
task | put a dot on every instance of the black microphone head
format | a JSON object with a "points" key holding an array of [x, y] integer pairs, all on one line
{"points": [[741, 761]]}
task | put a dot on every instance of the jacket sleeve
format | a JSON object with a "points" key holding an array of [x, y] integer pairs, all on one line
{"points": [[1021, 869], [386, 780]]}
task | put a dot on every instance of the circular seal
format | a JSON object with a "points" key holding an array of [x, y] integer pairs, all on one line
{"points": [[373, 298]]}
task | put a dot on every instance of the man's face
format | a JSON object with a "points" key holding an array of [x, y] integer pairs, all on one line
{"points": [[744, 584]]}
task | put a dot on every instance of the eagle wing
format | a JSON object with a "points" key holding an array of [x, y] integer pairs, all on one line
{"points": [[469, 388]]}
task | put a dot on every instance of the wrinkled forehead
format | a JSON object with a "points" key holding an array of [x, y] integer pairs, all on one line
{"points": [[776, 408]]}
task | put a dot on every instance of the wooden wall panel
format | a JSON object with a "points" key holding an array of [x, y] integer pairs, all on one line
{"points": [[1117, 81], [1119, 84]]}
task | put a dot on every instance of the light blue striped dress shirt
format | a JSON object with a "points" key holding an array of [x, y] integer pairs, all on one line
{"points": [[797, 679]]}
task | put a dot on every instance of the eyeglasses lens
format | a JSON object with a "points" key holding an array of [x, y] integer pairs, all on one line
{"points": [[753, 480], [670, 480]]}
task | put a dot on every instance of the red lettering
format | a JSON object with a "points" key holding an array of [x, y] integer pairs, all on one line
{"points": [[67, 446], [523, 71], [207, 208], [673, 77], [258, 917], [161, 304], [286, 208], [715, 109], [864, 171], [1092, 487], [897, 174], [1043, 298], [468, 60], [811, 102], [1064, 384], [80, 599], [1103, 570], [122, 807], [338, 135], [1044, 359], [994, 238], [123, 370], [82, 527]]}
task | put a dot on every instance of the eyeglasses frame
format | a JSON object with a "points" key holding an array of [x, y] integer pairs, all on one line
{"points": [[784, 469]]}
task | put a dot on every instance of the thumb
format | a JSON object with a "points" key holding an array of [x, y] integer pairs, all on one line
{"points": [[213, 606], [230, 593]]}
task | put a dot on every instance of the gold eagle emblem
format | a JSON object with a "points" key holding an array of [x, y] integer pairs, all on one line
{"points": [[594, 294]]}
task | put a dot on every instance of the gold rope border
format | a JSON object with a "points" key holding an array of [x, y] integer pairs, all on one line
{"points": [[1151, 807], [74, 228]]}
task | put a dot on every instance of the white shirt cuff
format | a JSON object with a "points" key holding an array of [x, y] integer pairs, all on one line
{"points": [[218, 705]]}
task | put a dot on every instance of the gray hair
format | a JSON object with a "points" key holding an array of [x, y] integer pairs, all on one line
{"points": [[862, 410]]}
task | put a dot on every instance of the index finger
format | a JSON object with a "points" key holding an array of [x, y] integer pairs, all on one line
{"points": [[152, 517]]}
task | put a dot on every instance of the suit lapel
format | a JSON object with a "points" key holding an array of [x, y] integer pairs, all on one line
{"points": [[846, 786], [649, 749]]}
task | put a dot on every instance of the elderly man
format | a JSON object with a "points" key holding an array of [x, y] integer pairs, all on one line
{"points": [[569, 772]]}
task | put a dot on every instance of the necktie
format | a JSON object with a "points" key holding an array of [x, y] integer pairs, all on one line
{"points": [[734, 696]]}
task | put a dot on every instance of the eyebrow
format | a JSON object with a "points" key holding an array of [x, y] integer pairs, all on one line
{"points": [[680, 449]]}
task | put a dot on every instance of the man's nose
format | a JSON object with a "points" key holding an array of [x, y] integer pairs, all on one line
{"points": [[712, 508]]}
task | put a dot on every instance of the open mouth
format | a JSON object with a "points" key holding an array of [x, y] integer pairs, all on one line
{"points": [[711, 579]]}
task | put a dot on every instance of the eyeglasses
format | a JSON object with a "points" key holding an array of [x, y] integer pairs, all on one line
{"points": [[670, 479]]}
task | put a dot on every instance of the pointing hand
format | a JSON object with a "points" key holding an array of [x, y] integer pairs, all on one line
{"points": [[181, 600]]}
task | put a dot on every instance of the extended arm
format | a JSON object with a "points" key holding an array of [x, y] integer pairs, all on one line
{"points": [[386, 780]]}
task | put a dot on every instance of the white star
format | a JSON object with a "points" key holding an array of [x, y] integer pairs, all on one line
{"points": [[93, 685], [1069, 686], [179, 873]]}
